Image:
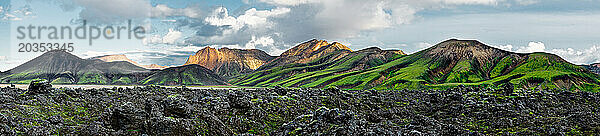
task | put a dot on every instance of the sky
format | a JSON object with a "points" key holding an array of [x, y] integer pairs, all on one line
{"points": [[175, 29]]}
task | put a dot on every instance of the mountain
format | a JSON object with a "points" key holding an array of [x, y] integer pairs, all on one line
{"points": [[192, 74], [62, 67], [307, 64], [229, 62], [306, 52], [447, 64], [121, 57], [593, 67], [467, 62]]}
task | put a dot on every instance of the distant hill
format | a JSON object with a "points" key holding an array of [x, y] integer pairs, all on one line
{"points": [[192, 74], [308, 64], [229, 62], [121, 57], [593, 67], [62, 67], [450, 63]]}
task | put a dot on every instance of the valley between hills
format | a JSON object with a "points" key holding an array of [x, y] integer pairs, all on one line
{"points": [[319, 64]]}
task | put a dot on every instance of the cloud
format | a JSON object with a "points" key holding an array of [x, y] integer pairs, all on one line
{"points": [[110, 11], [252, 29], [585, 56], [288, 2], [504, 47], [424, 45], [577, 56], [532, 47], [526, 2], [16, 15], [170, 38]]}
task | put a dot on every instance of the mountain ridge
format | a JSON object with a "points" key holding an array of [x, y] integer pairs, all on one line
{"points": [[449, 63], [122, 57], [318, 64], [306, 52]]}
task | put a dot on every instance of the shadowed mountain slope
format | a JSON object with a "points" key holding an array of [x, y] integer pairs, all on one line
{"points": [[192, 74], [332, 60]]}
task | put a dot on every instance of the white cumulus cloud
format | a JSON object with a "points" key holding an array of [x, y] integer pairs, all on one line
{"points": [[585, 56], [170, 38], [504, 47], [532, 47]]}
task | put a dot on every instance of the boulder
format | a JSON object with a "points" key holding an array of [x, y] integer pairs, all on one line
{"points": [[40, 86]]}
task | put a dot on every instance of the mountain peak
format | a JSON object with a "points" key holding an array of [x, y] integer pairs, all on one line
{"points": [[457, 42], [314, 46], [229, 62]]}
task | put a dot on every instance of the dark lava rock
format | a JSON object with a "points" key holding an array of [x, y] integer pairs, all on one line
{"points": [[239, 100], [158, 110], [127, 118], [38, 87], [335, 116], [169, 126], [176, 106]]}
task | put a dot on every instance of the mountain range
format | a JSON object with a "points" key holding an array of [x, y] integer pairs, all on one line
{"points": [[61, 67], [121, 57], [319, 64]]}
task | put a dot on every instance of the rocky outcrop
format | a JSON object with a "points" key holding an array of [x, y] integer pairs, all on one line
{"points": [[38, 87], [229, 62]]}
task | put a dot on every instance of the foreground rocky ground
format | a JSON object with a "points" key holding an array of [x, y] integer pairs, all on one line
{"points": [[180, 111]]}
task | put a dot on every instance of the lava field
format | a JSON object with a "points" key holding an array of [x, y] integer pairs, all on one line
{"points": [[154, 110]]}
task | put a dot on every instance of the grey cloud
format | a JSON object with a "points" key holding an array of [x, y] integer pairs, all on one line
{"points": [[211, 30]]}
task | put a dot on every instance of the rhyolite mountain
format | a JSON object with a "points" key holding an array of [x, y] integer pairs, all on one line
{"points": [[192, 74], [309, 63], [447, 64], [306, 52], [229, 62], [121, 57]]}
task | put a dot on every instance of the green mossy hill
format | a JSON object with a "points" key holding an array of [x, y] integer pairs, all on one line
{"points": [[466, 62], [316, 72], [447, 64], [185, 75]]}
